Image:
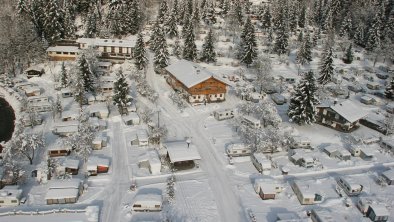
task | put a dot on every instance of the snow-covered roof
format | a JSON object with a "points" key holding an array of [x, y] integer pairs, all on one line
{"points": [[97, 161], [266, 186], [41, 104], [107, 42], [289, 216], [367, 151], [389, 174], [147, 199], [178, 151], [65, 184], [31, 98], [98, 107], [63, 49], [32, 89], [131, 116], [379, 210], [324, 215], [262, 159], [349, 110], [351, 183], [104, 64], [10, 193], [142, 134], [65, 90], [70, 114], [61, 193], [67, 129], [331, 148], [307, 189], [71, 163], [190, 73], [238, 146]]}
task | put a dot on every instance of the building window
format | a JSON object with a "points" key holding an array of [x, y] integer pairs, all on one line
{"points": [[58, 53], [72, 53], [14, 201], [112, 49], [120, 50], [105, 49]]}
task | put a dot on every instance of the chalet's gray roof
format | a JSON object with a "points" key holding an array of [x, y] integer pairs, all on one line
{"points": [[108, 42], [63, 49], [349, 110], [190, 73]]}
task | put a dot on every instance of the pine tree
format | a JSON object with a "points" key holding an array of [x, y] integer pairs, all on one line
{"points": [[389, 92], [91, 26], [64, 76], [196, 15], [161, 53], [54, 22], [359, 36], [349, 55], [171, 27], [224, 6], [140, 59], [155, 32], [374, 33], [86, 73], [163, 11], [190, 48], [302, 104], [133, 17], [209, 15], [69, 24], [302, 17], [249, 45], [346, 27], [238, 12], [177, 50], [79, 90], [208, 50], [115, 18], [326, 66], [300, 37], [281, 41], [304, 54], [121, 96]]}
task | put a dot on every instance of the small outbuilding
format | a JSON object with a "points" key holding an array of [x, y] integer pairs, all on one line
{"points": [[58, 150], [68, 165], [96, 165], [151, 161], [131, 119], [64, 191], [300, 142], [387, 143], [181, 154], [266, 189], [147, 202]]}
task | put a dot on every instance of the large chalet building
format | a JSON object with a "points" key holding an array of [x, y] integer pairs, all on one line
{"points": [[199, 84], [343, 116]]}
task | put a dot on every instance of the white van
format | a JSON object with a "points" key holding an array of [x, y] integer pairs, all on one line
{"points": [[251, 122], [238, 149]]}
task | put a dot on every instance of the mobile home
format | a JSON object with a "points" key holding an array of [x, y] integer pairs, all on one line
{"points": [[322, 215], [300, 142], [262, 164], [378, 213], [306, 194], [389, 176], [351, 188], [151, 161], [66, 92], [131, 119], [251, 122], [147, 202], [96, 165], [10, 196], [37, 99], [223, 114], [266, 189], [278, 98], [238, 149]]}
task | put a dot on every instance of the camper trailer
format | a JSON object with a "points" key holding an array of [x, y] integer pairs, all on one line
{"points": [[251, 122], [238, 149], [262, 164], [223, 114], [351, 188], [300, 142], [278, 98], [10, 196], [147, 202]]}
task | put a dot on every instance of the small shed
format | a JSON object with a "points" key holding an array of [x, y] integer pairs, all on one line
{"points": [[96, 165], [363, 204], [100, 141], [151, 161], [366, 100], [37, 99], [366, 153], [10, 196], [266, 189], [378, 213], [323, 215], [288, 217], [355, 150], [373, 85], [58, 150], [337, 151], [147, 202], [34, 71], [68, 165], [182, 154], [99, 110], [387, 143], [69, 115], [389, 176], [131, 119], [62, 196]]}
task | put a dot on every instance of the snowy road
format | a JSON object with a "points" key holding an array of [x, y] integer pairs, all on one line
{"points": [[228, 203], [120, 175]]}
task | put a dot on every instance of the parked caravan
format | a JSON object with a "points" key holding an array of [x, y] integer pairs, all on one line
{"points": [[238, 149], [351, 188], [278, 98], [300, 142], [251, 122], [260, 161], [10, 196], [147, 202], [223, 114]]}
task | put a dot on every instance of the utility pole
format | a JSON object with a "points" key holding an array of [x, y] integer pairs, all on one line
{"points": [[158, 118]]}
